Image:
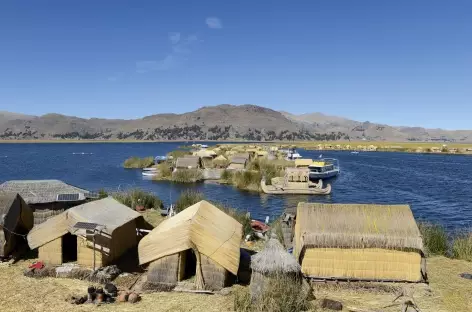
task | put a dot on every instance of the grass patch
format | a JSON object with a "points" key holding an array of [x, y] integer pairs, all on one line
{"points": [[187, 175], [136, 162], [133, 198], [188, 198], [165, 170], [281, 294], [462, 247], [227, 175], [247, 179], [434, 239], [178, 153]]}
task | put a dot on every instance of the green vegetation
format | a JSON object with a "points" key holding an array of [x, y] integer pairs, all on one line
{"points": [[434, 239], [281, 294], [136, 162], [227, 175], [462, 247], [187, 176], [102, 194], [248, 180], [178, 153], [136, 197], [165, 170], [188, 198], [276, 228]]}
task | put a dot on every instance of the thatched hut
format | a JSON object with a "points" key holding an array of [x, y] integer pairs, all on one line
{"points": [[16, 220], [359, 242], [201, 240], [188, 162], [220, 161], [47, 198], [59, 241], [239, 161], [273, 262]]}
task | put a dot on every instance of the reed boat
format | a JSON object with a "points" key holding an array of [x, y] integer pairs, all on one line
{"points": [[299, 188]]}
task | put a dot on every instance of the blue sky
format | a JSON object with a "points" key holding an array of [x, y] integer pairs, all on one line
{"points": [[402, 62]]}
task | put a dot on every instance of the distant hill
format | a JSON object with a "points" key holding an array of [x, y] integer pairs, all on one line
{"points": [[221, 122]]}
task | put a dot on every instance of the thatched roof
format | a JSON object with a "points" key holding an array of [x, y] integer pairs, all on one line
{"points": [[203, 227], [107, 212], [274, 259], [238, 160], [41, 191], [242, 155], [205, 153], [220, 158], [356, 226], [188, 162]]}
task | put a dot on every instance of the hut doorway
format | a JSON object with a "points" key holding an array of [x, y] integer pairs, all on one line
{"points": [[188, 264], [69, 248]]}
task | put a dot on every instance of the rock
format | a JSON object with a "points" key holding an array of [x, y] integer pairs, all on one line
{"points": [[91, 290], [133, 298], [123, 296], [111, 290], [466, 276], [331, 304]]}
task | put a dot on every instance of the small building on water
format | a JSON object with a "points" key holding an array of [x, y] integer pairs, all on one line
{"points": [[188, 162], [46, 198], [60, 240]]}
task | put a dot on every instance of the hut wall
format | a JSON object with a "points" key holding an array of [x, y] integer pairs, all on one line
{"points": [[363, 264], [215, 276], [85, 254], [123, 239], [164, 272], [51, 253]]}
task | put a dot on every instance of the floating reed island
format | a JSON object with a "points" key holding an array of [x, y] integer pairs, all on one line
{"points": [[203, 249]]}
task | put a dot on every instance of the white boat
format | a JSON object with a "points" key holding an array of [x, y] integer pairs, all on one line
{"points": [[354, 152], [150, 169], [324, 168], [293, 154], [149, 173]]}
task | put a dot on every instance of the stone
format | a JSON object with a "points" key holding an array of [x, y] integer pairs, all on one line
{"points": [[133, 298], [110, 290], [331, 304], [123, 296]]}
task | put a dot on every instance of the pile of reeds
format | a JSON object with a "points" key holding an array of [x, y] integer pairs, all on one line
{"points": [[136, 162], [137, 197], [462, 247]]}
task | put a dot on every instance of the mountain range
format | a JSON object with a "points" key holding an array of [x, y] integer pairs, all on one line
{"points": [[221, 122]]}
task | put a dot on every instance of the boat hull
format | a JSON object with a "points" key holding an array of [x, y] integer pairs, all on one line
{"points": [[323, 175]]}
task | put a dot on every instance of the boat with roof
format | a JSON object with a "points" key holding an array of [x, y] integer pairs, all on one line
{"points": [[324, 168]]}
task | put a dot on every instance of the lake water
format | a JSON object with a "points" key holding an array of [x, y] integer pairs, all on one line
{"points": [[438, 187]]}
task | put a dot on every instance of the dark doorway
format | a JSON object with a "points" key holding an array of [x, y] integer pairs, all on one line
{"points": [[69, 248], [190, 264]]}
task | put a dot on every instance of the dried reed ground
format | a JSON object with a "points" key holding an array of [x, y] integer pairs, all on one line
{"points": [[447, 292]]}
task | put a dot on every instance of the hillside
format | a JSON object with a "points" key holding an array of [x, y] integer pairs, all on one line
{"points": [[222, 122]]}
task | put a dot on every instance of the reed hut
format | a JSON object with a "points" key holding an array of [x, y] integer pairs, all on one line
{"points": [[46, 198], [273, 262], [112, 232], [201, 240], [220, 161], [16, 220], [188, 162], [359, 242]]}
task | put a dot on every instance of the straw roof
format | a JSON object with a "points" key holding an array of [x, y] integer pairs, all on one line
{"points": [[274, 259], [41, 191], [188, 162], [204, 153], [203, 227], [107, 212], [220, 158], [303, 162], [356, 226], [238, 160], [242, 155]]}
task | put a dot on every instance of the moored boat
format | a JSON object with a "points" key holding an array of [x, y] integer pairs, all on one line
{"points": [[296, 188], [324, 168], [292, 154]]}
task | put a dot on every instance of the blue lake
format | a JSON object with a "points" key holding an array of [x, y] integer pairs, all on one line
{"points": [[438, 187]]}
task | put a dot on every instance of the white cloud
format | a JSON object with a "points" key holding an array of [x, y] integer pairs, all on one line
{"points": [[214, 22], [181, 48], [174, 37]]}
